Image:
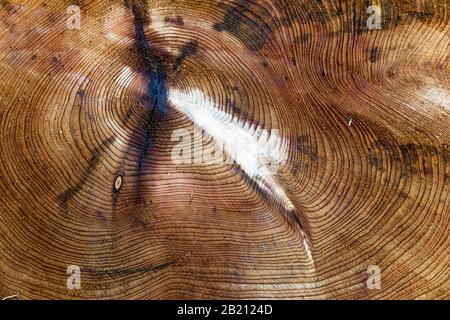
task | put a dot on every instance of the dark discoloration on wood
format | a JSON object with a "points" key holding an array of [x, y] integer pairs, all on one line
{"points": [[353, 19], [187, 50], [154, 63], [178, 20], [412, 159], [140, 10], [120, 272], [65, 197], [6, 5], [245, 24], [375, 161], [374, 55], [302, 39], [147, 146], [304, 146]]}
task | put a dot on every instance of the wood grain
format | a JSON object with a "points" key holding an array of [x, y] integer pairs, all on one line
{"points": [[87, 178]]}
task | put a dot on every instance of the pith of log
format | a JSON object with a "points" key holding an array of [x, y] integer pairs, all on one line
{"points": [[358, 120]]}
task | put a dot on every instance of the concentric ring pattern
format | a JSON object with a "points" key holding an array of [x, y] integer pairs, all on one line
{"points": [[357, 118]]}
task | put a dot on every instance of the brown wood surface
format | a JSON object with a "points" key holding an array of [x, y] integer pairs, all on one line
{"points": [[87, 177]]}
